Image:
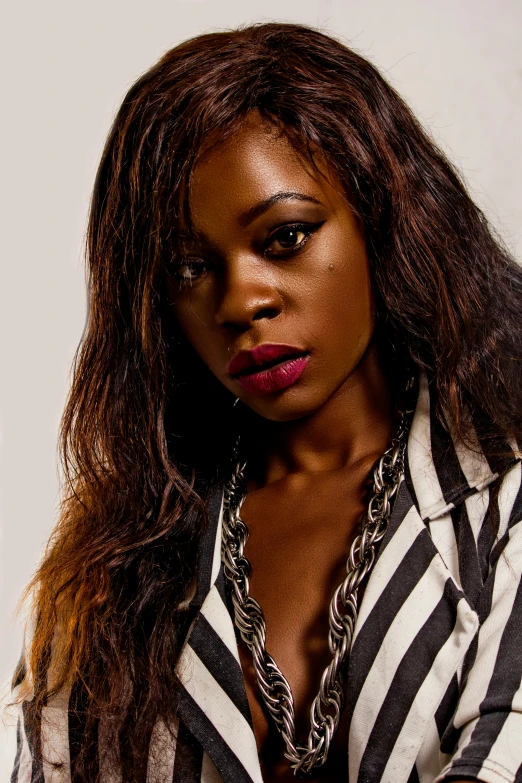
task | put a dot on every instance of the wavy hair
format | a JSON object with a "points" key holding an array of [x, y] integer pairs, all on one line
{"points": [[141, 446]]}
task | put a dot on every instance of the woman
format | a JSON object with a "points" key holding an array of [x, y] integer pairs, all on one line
{"points": [[289, 285]]}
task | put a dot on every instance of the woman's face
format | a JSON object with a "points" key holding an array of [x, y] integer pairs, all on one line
{"points": [[274, 291]]}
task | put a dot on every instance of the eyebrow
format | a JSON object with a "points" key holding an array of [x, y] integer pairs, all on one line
{"points": [[287, 195]]}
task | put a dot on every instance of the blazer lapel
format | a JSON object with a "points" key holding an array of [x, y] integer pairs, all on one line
{"points": [[414, 628], [415, 624], [212, 701]]}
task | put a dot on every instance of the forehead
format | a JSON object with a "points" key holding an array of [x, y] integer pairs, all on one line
{"points": [[252, 165]]}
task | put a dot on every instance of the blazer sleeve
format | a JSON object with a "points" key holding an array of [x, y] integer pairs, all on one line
{"points": [[42, 749], [488, 719], [26, 740], [23, 764]]}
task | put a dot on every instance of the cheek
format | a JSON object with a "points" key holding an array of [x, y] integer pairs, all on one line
{"points": [[353, 302], [343, 302]]}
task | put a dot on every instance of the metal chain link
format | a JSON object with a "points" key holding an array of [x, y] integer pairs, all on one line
{"points": [[327, 706]]}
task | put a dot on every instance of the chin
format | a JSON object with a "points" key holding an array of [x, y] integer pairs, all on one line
{"points": [[287, 407]]}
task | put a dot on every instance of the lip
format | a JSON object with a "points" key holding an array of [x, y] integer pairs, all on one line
{"points": [[262, 355], [269, 368], [276, 378]]}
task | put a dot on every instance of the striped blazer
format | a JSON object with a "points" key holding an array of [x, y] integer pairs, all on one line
{"points": [[434, 686]]}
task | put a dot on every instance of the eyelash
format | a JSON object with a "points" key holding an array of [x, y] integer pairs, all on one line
{"points": [[305, 228]]}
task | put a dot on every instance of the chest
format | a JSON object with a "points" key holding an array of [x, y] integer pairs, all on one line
{"points": [[297, 546]]}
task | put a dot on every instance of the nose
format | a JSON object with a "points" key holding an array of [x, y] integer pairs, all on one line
{"points": [[248, 294]]}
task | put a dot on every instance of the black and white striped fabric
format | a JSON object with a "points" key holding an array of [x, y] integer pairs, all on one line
{"points": [[435, 674]]}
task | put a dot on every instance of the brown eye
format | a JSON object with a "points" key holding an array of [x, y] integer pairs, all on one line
{"points": [[289, 239], [286, 238]]}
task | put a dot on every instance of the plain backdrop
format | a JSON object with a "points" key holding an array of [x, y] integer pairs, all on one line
{"points": [[66, 66]]}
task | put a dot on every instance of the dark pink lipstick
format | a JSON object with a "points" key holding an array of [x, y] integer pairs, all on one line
{"points": [[268, 368]]}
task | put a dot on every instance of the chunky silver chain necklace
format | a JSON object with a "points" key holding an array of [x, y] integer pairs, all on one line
{"points": [[327, 706]]}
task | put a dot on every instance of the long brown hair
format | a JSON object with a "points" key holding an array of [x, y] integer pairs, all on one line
{"points": [[141, 447]]}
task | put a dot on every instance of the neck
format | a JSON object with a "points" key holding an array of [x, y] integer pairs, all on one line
{"points": [[356, 423]]}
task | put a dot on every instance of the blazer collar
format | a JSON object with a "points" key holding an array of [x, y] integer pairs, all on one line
{"points": [[441, 471]]}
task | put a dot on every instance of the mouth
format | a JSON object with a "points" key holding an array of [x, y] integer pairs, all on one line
{"points": [[268, 368]]}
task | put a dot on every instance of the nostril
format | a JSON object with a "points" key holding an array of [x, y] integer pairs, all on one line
{"points": [[266, 312]]}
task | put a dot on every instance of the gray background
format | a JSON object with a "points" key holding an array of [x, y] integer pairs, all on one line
{"points": [[65, 69]]}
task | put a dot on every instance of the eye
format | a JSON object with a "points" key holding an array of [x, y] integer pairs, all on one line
{"points": [[189, 270], [288, 239]]}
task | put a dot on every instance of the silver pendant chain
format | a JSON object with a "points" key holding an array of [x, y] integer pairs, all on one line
{"points": [[327, 706]]}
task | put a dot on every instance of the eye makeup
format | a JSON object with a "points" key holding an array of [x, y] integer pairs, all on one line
{"points": [[285, 240]]}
